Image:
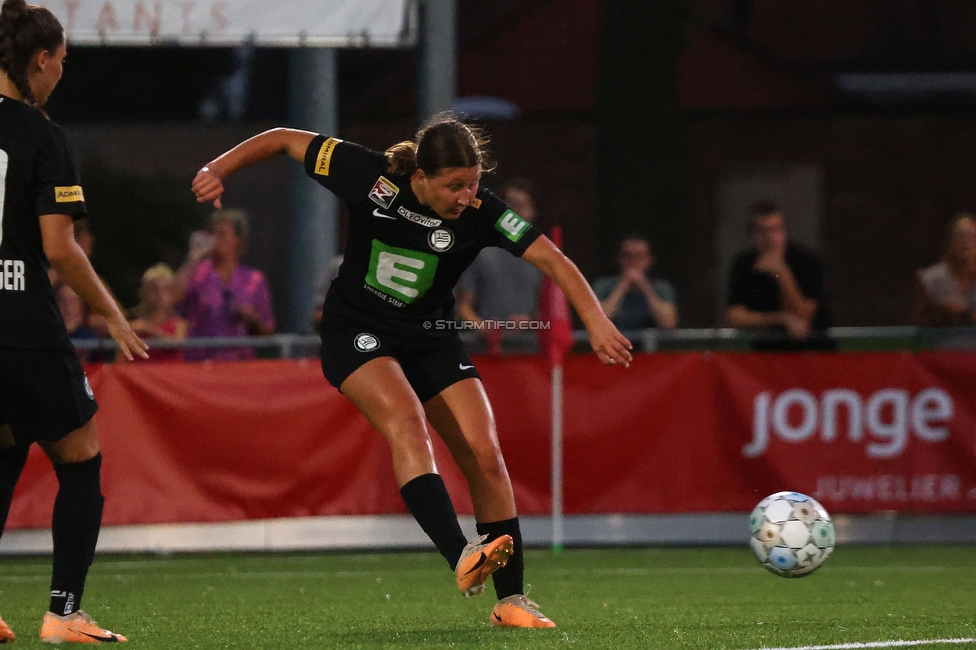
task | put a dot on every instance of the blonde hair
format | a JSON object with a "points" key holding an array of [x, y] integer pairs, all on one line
{"points": [[159, 272]]}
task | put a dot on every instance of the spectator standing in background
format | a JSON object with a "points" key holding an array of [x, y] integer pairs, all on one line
{"points": [[498, 285], [219, 296], [777, 286], [946, 292], [155, 316], [632, 300]]}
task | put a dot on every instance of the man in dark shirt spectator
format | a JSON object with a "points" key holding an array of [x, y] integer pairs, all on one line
{"points": [[777, 286]]}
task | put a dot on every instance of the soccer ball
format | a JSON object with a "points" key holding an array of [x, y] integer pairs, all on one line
{"points": [[791, 534]]}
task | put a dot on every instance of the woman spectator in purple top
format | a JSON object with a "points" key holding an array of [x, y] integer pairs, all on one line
{"points": [[217, 295]]}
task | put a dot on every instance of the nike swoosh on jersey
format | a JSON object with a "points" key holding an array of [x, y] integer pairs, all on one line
{"points": [[461, 366], [377, 213]]}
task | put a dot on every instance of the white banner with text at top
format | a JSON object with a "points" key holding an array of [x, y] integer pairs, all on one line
{"points": [[285, 23]]}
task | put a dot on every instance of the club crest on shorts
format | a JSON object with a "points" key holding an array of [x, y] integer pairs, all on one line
{"points": [[441, 239], [366, 342], [88, 389]]}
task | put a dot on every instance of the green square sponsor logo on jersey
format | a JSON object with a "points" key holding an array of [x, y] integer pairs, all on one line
{"points": [[400, 273], [511, 225]]}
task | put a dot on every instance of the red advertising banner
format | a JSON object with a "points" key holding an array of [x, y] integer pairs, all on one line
{"points": [[674, 433]]}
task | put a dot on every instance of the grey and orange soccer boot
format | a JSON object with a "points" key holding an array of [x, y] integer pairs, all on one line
{"points": [[75, 628], [480, 559], [518, 611]]}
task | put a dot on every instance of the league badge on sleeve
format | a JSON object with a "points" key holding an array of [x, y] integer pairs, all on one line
{"points": [[383, 192]]}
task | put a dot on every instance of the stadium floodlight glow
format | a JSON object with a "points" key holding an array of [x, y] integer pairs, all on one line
{"points": [[287, 23]]}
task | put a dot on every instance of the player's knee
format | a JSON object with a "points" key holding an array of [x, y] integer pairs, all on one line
{"points": [[489, 464], [407, 431], [76, 447]]}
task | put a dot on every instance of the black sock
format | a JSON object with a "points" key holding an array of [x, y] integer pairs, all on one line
{"points": [[12, 461], [508, 580], [430, 504], [77, 519]]}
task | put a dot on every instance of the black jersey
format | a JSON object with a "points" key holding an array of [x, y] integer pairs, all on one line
{"points": [[37, 177], [402, 259]]}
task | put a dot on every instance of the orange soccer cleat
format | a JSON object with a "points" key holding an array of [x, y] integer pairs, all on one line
{"points": [[518, 611], [480, 559], [75, 628], [6, 634]]}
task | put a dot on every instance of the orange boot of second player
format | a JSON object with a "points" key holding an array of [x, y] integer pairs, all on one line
{"points": [[6, 634], [75, 628]]}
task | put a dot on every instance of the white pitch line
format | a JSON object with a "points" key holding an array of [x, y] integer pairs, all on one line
{"points": [[876, 644]]}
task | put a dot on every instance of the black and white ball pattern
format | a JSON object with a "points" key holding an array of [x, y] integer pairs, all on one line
{"points": [[791, 534]]}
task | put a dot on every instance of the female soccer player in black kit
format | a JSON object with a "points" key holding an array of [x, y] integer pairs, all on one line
{"points": [[44, 394], [418, 218]]}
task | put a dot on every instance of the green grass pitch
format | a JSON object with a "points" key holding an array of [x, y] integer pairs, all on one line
{"points": [[600, 598]]}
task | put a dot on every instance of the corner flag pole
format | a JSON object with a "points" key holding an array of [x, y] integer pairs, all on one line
{"points": [[557, 458], [556, 339]]}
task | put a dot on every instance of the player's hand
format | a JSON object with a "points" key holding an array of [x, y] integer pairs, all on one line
{"points": [[128, 340], [208, 187], [610, 346]]}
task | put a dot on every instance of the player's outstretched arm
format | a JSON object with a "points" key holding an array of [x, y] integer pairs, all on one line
{"points": [[67, 258], [610, 345], [208, 184]]}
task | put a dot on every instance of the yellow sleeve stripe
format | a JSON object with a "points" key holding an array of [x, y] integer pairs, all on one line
{"points": [[325, 156], [69, 194]]}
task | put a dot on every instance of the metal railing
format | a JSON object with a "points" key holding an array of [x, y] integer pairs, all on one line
{"points": [[844, 339]]}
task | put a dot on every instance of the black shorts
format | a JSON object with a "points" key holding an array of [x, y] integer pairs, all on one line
{"points": [[430, 364], [44, 394]]}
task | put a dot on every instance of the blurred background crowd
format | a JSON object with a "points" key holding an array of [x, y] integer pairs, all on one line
{"points": [[760, 164]]}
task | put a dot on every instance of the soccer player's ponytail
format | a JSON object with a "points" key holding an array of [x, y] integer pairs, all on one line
{"points": [[25, 30], [402, 158], [443, 143]]}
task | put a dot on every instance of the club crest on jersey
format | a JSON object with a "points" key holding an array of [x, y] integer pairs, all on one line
{"points": [[383, 192], [366, 342], [441, 239], [430, 222]]}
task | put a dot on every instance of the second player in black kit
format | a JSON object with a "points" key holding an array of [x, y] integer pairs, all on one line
{"points": [[45, 397], [418, 217]]}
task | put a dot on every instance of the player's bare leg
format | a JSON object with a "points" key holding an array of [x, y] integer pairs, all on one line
{"points": [[462, 416], [382, 393]]}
